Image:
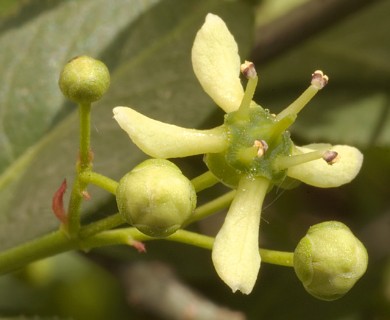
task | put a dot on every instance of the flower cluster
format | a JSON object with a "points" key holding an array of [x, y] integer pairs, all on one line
{"points": [[250, 152]]}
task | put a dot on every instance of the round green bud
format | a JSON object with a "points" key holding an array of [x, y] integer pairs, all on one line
{"points": [[84, 79], [329, 260], [156, 198]]}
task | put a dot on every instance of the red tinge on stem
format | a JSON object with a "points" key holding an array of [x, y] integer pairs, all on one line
{"points": [[138, 245], [58, 203]]}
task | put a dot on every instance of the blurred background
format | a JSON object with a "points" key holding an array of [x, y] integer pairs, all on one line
{"points": [[146, 44]]}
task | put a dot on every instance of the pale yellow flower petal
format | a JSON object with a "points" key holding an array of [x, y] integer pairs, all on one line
{"points": [[320, 174], [162, 140], [235, 252], [216, 63]]}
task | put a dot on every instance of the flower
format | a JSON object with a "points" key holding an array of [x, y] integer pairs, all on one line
{"points": [[251, 151]]}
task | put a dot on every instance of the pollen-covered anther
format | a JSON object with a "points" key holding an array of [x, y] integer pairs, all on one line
{"points": [[248, 70], [331, 157], [261, 146], [319, 79]]}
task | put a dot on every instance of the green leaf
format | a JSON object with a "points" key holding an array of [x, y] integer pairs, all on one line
{"points": [[147, 48]]}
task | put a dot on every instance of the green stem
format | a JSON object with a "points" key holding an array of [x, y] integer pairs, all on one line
{"points": [[84, 165], [204, 181], [108, 223], [212, 207], [192, 238], [74, 208], [85, 136], [126, 236], [99, 180], [49, 245], [280, 258], [59, 242]]}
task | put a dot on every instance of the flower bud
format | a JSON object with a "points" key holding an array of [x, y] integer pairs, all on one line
{"points": [[329, 260], [156, 198], [84, 79]]}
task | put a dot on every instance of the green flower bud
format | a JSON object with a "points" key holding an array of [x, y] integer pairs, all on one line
{"points": [[329, 260], [156, 197], [84, 79]]}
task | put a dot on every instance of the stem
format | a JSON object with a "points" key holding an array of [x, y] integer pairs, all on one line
{"points": [[49, 245], [99, 180], [74, 208], [204, 181], [212, 207], [84, 165], [126, 236], [192, 238], [85, 136], [108, 223], [280, 258], [59, 242]]}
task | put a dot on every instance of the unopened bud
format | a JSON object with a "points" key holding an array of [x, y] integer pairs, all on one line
{"points": [[329, 260], [156, 198], [84, 79]]}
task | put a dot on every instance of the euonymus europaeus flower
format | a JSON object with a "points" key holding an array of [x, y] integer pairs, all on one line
{"points": [[250, 152]]}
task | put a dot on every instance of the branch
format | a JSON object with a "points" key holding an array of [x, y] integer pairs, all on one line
{"points": [[155, 289], [300, 24]]}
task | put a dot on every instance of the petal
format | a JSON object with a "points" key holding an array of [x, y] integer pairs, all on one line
{"points": [[320, 174], [162, 140], [216, 63], [235, 252]]}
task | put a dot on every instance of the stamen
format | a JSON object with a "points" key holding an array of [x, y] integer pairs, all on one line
{"points": [[319, 80], [282, 163], [249, 71], [261, 146], [331, 157]]}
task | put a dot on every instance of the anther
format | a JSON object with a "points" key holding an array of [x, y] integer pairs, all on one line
{"points": [[261, 146], [319, 79], [331, 157], [248, 70]]}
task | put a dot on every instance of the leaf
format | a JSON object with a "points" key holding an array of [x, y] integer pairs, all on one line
{"points": [[149, 59], [353, 108]]}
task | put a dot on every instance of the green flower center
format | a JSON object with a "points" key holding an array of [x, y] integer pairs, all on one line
{"points": [[256, 139]]}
